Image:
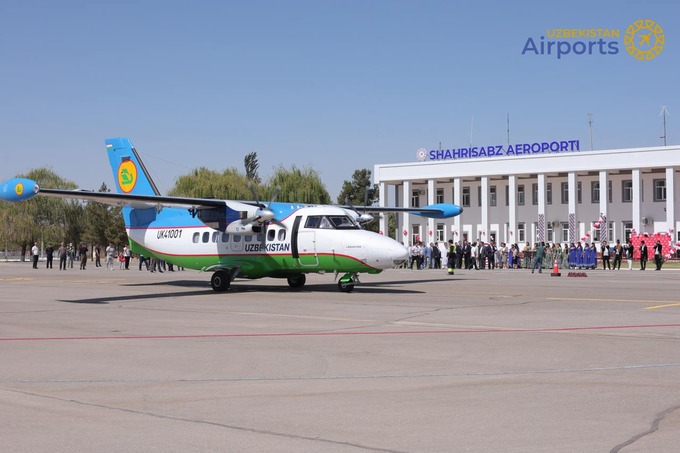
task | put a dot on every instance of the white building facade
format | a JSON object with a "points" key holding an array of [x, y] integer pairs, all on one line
{"points": [[552, 197]]}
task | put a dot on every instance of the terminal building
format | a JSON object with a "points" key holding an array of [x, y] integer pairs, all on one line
{"points": [[550, 192]]}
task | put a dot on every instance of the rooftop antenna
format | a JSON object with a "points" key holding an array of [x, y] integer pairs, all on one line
{"points": [[472, 124], [663, 113], [590, 128], [508, 129]]}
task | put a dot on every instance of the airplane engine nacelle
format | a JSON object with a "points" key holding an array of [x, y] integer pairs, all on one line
{"points": [[239, 228]]}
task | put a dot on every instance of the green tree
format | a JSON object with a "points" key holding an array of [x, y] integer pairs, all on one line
{"points": [[360, 192], [40, 219], [299, 186], [252, 165], [206, 183], [103, 223]]}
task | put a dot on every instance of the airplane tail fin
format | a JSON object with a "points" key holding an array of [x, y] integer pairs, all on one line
{"points": [[129, 172]]}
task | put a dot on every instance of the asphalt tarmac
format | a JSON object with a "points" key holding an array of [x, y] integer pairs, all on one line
{"points": [[411, 361]]}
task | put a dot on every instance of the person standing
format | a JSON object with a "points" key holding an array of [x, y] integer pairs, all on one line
{"points": [[618, 255], [605, 256], [628, 250], [451, 257], [35, 252], [110, 253], [126, 257], [82, 253], [49, 253], [538, 258], [643, 256], [97, 256], [62, 252], [658, 255]]}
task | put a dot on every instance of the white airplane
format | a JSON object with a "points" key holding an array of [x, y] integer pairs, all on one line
{"points": [[235, 238]]}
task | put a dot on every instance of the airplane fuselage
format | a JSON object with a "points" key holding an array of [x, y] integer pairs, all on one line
{"points": [[303, 242]]}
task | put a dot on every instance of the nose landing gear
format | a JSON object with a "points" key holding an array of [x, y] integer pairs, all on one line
{"points": [[347, 282]]}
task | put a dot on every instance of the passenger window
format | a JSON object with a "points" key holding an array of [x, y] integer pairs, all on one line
{"points": [[206, 236], [271, 234], [195, 238], [225, 237], [282, 235], [237, 238], [248, 238], [259, 237], [215, 236]]}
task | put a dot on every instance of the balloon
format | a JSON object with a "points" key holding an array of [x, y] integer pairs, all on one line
{"points": [[405, 233]]}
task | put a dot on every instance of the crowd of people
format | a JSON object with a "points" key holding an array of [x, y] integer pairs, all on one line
{"points": [[69, 254], [488, 255]]}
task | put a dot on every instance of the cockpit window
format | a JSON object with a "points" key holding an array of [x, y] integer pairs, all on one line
{"points": [[343, 222], [330, 222]]}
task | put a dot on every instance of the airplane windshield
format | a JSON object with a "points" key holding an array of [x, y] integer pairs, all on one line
{"points": [[340, 222], [343, 222]]}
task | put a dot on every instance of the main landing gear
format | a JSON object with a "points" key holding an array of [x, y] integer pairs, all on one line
{"points": [[297, 281], [220, 281], [347, 282]]}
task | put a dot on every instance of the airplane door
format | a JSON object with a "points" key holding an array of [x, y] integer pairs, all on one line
{"points": [[303, 245]]}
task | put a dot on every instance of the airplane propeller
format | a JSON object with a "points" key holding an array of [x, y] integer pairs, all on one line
{"points": [[264, 214], [362, 218]]}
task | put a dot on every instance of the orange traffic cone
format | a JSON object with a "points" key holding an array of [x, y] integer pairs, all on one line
{"points": [[556, 270]]}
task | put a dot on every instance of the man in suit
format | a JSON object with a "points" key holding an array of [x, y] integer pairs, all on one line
{"points": [[658, 256], [643, 256]]}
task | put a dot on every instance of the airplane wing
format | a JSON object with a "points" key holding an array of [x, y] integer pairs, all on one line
{"points": [[19, 189], [434, 211]]}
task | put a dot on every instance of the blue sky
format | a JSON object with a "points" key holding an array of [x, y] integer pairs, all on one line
{"points": [[331, 85]]}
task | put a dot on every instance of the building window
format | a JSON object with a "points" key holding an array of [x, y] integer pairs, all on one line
{"points": [[534, 193], [440, 196], [627, 230], [521, 226], [564, 188], [492, 196], [415, 234], [548, 193], [595, 191], [565, 231], [578, 192], [507, 195], [439, 236], [627, 191], [549, 232], [479, 196], [520, 196], [609, 191], [659, 190], [466, 196], [596, 233], [415, 198]]}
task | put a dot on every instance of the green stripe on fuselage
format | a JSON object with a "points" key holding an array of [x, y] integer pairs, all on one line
{"points": [[263, 265]]}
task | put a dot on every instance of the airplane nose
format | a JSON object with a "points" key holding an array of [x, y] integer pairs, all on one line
{"points": [[386, 252]]}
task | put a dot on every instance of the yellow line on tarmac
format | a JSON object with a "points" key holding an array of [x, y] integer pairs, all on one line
{"points": [[663, 306], [582, 299], [14, 279]]}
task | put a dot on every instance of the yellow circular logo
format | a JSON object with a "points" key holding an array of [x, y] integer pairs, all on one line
{"points": [[19, 189], [644, 39], [127, 176]]}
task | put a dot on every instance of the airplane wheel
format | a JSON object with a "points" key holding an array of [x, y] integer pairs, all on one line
{"points": [[345, 287], [220, 281], [297, 281]]}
